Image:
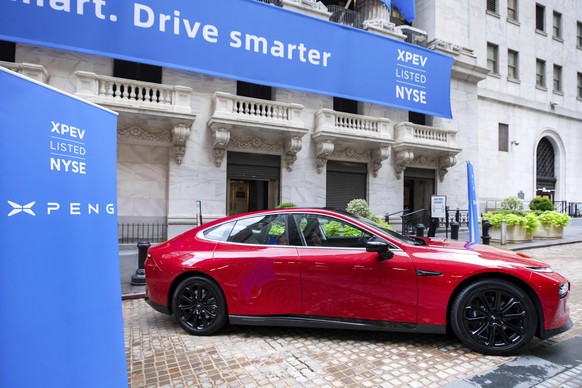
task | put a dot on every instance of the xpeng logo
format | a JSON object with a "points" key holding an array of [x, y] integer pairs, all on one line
{"points": [[69, 208], [16, 208]]}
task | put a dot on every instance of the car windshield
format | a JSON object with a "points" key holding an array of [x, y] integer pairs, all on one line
{"points": [[395, 235]]}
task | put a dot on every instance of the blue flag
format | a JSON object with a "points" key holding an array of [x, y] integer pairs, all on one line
{"points": [[406, 7], [474, 234]]}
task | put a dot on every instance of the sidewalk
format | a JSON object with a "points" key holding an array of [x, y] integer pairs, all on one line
{"points": [[129, 260]]}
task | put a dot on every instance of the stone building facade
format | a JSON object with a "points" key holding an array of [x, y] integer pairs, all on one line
{"points": [[193, 141]]}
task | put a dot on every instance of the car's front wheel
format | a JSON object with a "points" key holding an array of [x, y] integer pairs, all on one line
{"points": [[199, 307], [494, 317]]}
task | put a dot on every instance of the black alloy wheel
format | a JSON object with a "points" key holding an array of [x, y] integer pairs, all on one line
{"points": [[494, 317], [199, 307]]}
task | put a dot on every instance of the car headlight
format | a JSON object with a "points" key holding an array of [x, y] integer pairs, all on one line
{"points": [[541, 269], [564, 289]]}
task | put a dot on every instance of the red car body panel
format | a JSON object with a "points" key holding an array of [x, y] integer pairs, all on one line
{"points": [[415, 286]]}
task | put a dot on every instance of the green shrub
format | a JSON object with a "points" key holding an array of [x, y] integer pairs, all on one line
{"points": [[335, 228], [528, 220], [285, 204], [513, 204], [553, 218], [541, 204], [359, 207]]}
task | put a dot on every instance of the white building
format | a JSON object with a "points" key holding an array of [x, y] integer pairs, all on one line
{"points": [[183, 137]]}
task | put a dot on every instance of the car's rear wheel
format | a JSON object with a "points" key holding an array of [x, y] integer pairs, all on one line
{"points": [[198, 305], [494, 317]]}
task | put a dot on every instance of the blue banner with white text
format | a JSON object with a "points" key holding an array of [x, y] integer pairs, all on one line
{"points": [[241, 39], [474, 233], [61, 321]]}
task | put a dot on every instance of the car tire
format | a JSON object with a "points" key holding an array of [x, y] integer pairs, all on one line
{"points": [[198, 306], [494, 317]]}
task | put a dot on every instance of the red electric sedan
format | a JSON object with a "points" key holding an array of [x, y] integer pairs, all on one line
{"points": [[330, 269]]}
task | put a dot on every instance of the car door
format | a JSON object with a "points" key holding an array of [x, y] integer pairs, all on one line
{"points": [[340, 279], [258, 267]]}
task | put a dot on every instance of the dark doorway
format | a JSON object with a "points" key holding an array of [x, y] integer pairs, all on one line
{"points": [[419, 187], [545, 170], [253, 182]]}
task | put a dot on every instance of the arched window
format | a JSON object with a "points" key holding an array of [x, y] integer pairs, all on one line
{"points": [[545, 173]]}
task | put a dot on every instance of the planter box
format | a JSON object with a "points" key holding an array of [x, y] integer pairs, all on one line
{"points": [[549, 232], [515, 234]]}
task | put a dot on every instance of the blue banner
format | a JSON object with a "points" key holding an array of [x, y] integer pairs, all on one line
{"points": [[407, 8], [61, 322], [242, 39], [474, 233]]}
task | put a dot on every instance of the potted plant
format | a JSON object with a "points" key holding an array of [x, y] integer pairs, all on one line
{"points": [[551, 222], [520, 225]]}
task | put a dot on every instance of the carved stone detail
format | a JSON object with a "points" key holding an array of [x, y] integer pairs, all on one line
{"points": [[378, 156], [444, 164], [220, 140], [254, 143], [351, 153], [180, 134], [292, 147], [135, 132], [403, 159], [323, 151]]}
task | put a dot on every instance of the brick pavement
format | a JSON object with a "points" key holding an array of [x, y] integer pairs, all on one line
{"points": [[160, 354]]}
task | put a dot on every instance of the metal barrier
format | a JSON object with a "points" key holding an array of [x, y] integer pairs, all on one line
{"points": [[133, 233], [412, 219]]}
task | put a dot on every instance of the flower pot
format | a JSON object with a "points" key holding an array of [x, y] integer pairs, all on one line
{"points": [[549, 231], [515, 234]]}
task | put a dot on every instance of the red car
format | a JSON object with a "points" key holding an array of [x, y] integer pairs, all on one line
{"points": [[330, 269]]}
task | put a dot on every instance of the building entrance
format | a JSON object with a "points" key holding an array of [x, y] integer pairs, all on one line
{"points": [[253, 182], [419, 187]]}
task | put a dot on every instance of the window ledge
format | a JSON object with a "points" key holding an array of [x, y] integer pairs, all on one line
{"points": [[541, 32], [558, 92], [494, 14], [494, 74], [514, 80], [543, 88], [513, 21], [558, 39]]}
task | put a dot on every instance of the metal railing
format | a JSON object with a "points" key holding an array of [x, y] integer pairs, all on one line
{"points": [[412, 219], [345, 16], [133, 233]]}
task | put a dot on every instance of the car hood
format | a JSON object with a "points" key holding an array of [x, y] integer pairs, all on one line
{"points": [[475, 252]]}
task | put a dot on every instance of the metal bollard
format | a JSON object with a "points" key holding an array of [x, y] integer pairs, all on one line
{"points": [[420, 230], [138, 278], [434, 224], [485, 225], [454, 230]]}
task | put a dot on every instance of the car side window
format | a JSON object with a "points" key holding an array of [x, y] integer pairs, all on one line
{"points": [[327, 231], [263, 230], [220, 232]]}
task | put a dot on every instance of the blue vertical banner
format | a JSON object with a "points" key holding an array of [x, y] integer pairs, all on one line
{"points": [[407, 8], [61, 321], [474, 233]]}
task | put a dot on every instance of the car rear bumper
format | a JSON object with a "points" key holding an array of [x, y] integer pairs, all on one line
{"points": [[158, 307]]}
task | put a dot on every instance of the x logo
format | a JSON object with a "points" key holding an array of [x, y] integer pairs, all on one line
{"points": [[16, 208]]}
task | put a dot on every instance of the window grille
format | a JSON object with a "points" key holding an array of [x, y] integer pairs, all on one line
{"points": [[503, 137], [545, 159], [492, 6]]}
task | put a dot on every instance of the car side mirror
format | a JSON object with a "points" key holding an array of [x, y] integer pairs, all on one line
{"points": [[380, 247]]}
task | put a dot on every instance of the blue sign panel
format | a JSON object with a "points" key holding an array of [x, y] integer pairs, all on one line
{"points": [[242, 39], [61, 322]]}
